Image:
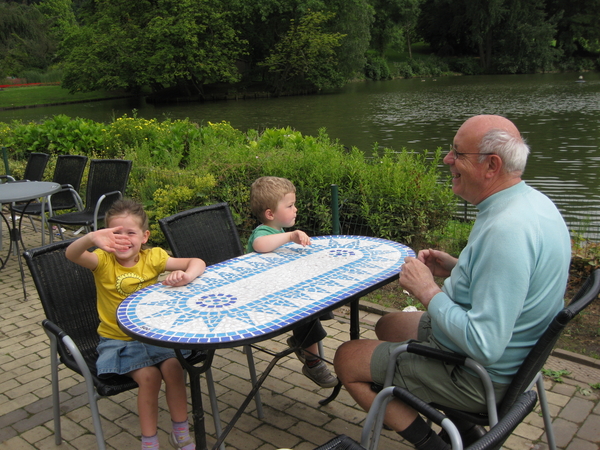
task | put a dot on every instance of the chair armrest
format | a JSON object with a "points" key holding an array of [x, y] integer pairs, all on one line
{"points": [[102, 198], [7, 177], [55, 332], [452, 358], [66, 188]]}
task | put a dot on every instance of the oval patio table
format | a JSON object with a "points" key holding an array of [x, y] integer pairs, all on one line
{"points": [[254, 297]]}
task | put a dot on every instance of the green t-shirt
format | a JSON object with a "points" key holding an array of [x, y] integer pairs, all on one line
{"points": [[261, 230]]}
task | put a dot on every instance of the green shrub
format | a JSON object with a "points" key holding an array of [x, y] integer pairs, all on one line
{"points": [[376, 68], [178, 165]]}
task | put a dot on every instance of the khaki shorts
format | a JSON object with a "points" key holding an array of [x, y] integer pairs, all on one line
{"points": [[430, 380]]}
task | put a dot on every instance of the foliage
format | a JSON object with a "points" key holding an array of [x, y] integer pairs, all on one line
{"points": [[178, 165], [58, 135], [305, 56], [377, 68], [396, 192], [555, 375], [188, 191], [24, 39], [128, 45]]}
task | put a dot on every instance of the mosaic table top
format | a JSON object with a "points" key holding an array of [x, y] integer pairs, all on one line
{"points": [[255, 296]]}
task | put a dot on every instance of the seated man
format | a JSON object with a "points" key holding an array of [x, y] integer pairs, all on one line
{"points": [[500, 295]]}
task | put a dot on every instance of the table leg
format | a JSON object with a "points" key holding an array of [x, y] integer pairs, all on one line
{"points": [[194, 373], [354, 320], [15, 237]]}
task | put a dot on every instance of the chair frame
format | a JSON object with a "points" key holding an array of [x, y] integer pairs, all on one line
{"points": [[492, 440], [64, 349], [528, 375]]}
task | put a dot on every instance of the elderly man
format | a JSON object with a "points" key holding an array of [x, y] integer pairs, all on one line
{"points": [[501, 293]]}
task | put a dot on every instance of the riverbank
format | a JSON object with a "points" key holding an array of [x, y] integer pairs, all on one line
{"points": [[41, 95]]}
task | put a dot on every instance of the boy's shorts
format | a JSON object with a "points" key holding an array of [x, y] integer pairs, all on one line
{"points": [[431, 380]]}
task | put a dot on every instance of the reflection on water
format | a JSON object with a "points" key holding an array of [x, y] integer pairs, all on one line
{"points": [[558, 116]]}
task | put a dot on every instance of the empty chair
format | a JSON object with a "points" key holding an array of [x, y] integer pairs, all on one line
{"points": [[68, 295], [206, 232], [107, 181], [36, 164], [68, 173]]}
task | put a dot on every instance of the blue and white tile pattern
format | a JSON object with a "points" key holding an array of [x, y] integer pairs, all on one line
{"points": [[256, 294]]}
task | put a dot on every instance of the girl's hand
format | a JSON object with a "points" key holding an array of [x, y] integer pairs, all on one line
{"points": [[300, 237], [177, 278], [109, 240]]}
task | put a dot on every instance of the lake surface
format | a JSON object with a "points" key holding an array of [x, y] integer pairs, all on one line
{"points": [[559, 117]]}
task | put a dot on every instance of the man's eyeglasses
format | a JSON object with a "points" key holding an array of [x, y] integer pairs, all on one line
{"points": [[455, 153]]}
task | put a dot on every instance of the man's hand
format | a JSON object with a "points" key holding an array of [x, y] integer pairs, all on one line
{"points": [[440, 263], [417, 279]]}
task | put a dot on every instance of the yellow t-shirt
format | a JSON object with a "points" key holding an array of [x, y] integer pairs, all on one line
{"points": [[114, 283]]}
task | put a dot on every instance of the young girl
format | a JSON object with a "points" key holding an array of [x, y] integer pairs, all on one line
{"points": [[120, 268]]}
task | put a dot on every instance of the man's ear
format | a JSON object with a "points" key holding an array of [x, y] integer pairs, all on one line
{"points": [[269, 214], [494, 166]]}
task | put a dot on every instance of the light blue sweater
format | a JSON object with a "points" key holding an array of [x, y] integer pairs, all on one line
{"points": [[509, 281]]}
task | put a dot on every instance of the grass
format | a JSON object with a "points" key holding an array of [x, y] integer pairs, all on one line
{"points": [[43, 95]]}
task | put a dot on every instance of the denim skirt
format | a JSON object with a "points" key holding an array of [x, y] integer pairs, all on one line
{"points": [[121, 357]]}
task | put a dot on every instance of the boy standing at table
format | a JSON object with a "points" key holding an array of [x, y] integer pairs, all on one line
{"points": [[273, 202]]}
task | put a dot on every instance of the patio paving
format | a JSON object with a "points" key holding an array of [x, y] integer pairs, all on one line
{"points": [[293, 419]]}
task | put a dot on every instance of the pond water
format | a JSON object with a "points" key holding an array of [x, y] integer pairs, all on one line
{"points": [[559, 117]]}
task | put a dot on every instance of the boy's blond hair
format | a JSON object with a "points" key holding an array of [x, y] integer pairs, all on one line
{"points": [[266, 192]]}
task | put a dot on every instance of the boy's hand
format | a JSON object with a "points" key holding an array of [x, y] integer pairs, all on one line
{"points": [[177, 278], [109, 241], [300, 237]]}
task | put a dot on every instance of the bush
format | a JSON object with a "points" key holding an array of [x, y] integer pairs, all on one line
{"points": [[377, 68], [178, 165]]}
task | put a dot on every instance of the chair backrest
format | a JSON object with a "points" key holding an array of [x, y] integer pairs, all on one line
{"points": [[68, 295], [106, 175], [206, 232], [69, 170], [36, 164], [541, 350]]}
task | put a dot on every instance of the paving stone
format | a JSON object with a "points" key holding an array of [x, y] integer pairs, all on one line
{"points": [[590, 430], [577, 410]]}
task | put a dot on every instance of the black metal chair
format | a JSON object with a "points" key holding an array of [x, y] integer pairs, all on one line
{"points": [[492, 440], [68, 173], [68, 295], [107, 181], [528, 375], [209, 233], [36, 164]]}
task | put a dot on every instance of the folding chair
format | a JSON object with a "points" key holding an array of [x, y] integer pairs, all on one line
{"points": [[209, 233], [107, 181], [528, 375], [68, 295]]}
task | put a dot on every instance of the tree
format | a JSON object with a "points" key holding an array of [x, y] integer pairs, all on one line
{"points": [[161, 44], [392, 19], [305, 57], [578, 25], [25, 41]]}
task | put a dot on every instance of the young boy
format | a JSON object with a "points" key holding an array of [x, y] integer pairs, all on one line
{"points": [[273, 202]]}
